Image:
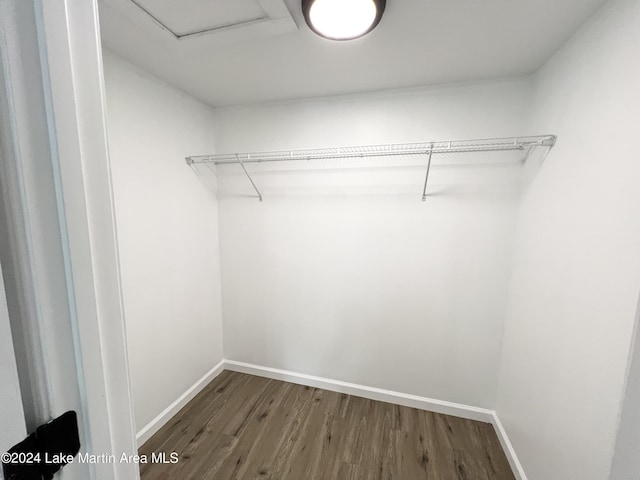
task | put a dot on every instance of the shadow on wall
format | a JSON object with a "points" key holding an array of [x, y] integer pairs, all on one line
{"points": [[405, 183], [480, 175]]}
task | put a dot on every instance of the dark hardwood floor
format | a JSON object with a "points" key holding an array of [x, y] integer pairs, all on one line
{"points": [[245, 427]]}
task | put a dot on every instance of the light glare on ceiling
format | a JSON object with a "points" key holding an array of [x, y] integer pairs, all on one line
{"points": [[342, 19]]}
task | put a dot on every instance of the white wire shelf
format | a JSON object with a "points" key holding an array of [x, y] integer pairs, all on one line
{"points": [[390, 150], [398, 150]]}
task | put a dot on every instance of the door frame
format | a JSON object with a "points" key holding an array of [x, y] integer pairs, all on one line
{"points": [[55, 118], [11, 414]]}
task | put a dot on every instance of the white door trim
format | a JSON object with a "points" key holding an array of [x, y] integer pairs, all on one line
{"points": [[74, 64], [57, 131]]}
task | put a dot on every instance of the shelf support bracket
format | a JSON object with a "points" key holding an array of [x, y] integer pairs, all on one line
{"points": [[426, 178], [249, 177]]}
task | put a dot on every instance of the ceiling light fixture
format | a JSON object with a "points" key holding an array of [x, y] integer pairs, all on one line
{"points": [[342, 19]]}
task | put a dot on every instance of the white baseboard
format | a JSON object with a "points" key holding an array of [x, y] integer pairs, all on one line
{"points": [[407, 400], [404, 399], [507, 446], [372, 393], [157, 423]]}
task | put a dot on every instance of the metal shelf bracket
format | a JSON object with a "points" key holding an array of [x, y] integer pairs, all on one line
{"points": [[426, 177], [250, 179]]}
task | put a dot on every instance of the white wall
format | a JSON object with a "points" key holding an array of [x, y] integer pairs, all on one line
{"points": [[576, 274], [345, 273], [168, 236]]}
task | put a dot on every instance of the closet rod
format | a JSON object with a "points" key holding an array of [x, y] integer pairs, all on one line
{"points": [[390, 150]]}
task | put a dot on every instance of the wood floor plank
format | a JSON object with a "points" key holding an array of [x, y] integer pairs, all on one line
{"points": [[242, 427]]}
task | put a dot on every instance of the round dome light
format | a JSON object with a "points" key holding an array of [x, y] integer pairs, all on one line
{"points": [[342, 19]]}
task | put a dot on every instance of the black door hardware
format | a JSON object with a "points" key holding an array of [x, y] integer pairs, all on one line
{"points": [[44, 452]]}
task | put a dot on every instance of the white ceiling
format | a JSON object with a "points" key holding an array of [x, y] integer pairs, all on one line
{"points": [[251, 51]]}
